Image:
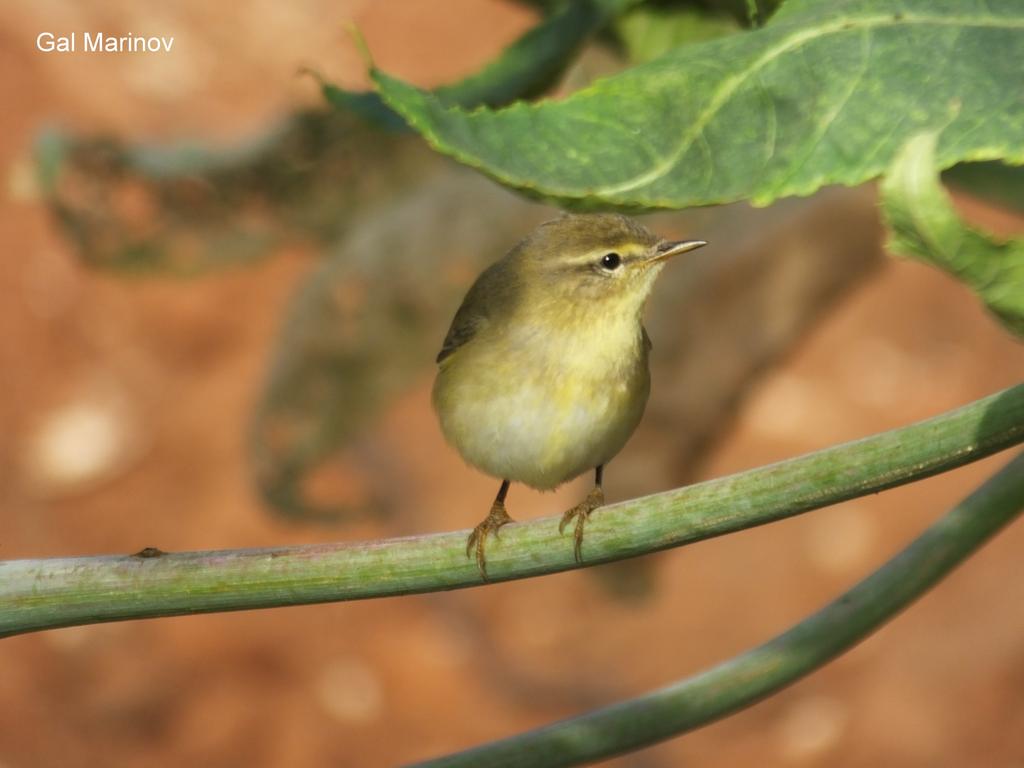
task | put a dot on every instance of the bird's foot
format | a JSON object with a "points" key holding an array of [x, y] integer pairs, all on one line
{"points": [[581, 513], [496, 518]]}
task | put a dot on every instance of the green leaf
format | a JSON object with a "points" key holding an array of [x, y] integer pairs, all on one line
{"points": [[648, 32], [924, 224], [825, 93], [367, 104], [526, 68], [531, 65]]}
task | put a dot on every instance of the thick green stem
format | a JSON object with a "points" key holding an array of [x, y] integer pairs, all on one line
{"points": [[42, 594], [754, 675]]}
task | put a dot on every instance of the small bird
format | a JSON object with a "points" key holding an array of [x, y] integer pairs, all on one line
{"points": [[543, 374]]}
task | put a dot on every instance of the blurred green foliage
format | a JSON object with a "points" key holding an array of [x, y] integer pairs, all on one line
{"points": [[186, 209], [650, 31], [526, 68]]}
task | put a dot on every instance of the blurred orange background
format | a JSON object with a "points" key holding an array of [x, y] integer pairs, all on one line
{"points": [[123, 410]]}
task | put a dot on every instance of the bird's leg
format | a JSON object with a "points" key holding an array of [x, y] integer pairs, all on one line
{"points": [[496, 518], [582, 512]]}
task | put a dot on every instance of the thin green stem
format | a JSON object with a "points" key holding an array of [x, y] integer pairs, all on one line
{"points": [[753, 16], [48, 593], [745, 679]]}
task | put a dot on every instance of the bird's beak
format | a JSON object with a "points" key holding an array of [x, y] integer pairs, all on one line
{"points": [[666, 250]]}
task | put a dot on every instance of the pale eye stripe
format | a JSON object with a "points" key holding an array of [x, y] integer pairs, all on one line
{"points": [[627, 251]]}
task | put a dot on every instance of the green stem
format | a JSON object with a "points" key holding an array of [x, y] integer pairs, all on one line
{"points": [[745, 679], [752, 14], [59, 592]]}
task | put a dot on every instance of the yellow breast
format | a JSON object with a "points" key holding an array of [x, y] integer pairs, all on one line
{"points": [[541, 405]]}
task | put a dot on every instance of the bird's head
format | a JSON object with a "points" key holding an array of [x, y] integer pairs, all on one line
{"points": [[595, 259]]}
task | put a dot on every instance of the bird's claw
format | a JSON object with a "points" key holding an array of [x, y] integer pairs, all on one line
{"points": [[581, 513], [496, 518]]}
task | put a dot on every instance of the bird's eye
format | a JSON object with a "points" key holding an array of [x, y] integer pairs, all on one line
{"points": [[611, 261]]}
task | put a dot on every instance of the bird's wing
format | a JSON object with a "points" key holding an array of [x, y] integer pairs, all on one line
{"points": [[464, 327], [492, 293]]}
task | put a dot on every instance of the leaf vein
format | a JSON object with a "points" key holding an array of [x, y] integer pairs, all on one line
{"points": [[830, 117], [796, 41]]}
